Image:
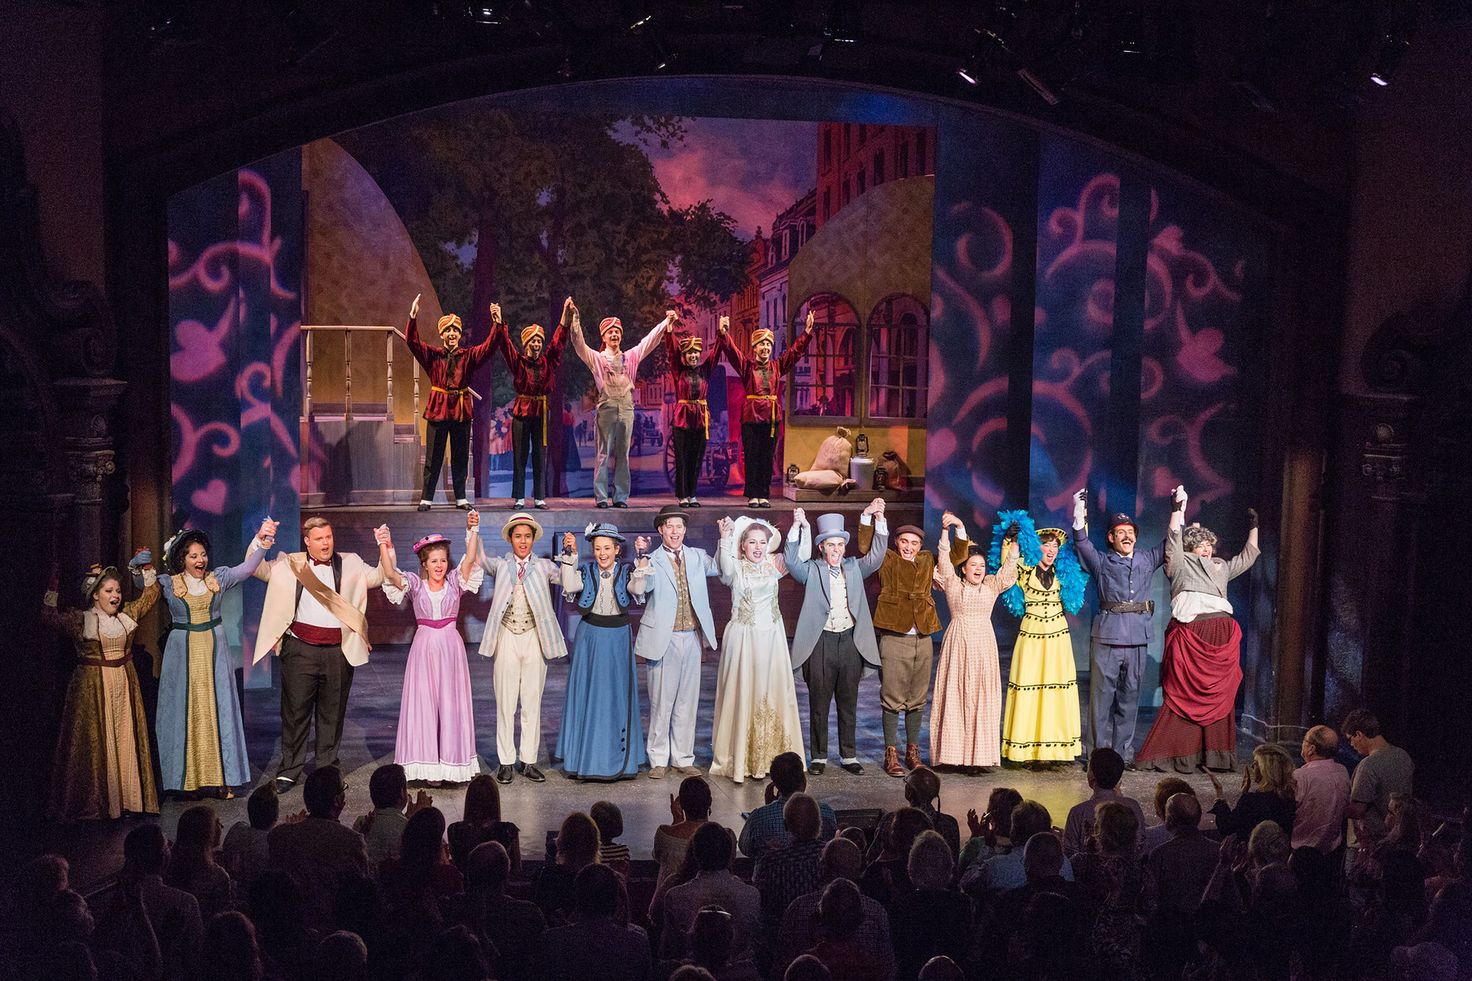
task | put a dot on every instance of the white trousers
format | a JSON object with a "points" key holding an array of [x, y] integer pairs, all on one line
{"points": [[518, 676], [674, 696]]}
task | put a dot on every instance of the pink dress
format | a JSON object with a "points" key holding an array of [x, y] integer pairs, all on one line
{"points": [[436, 738], [966, 714]]}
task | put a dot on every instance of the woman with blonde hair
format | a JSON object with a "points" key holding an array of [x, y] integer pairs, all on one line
{"points": [[1269, 793]]}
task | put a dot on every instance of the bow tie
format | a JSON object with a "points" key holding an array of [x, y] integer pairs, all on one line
{"points": [[321, 561]]}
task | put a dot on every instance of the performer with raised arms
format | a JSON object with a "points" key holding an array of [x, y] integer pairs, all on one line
{"points": [[613, 371], [448, 411], [532, 373], [692, 410], [761, 409], [522, 634]]}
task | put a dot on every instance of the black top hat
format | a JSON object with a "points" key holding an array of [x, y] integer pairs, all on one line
{"points": [[670, 511]]}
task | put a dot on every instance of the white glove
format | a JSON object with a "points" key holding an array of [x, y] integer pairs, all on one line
{"points": [[1080, 509]]}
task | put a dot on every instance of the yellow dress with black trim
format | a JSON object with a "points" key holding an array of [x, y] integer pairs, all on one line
{"points": [[1042, 716]]}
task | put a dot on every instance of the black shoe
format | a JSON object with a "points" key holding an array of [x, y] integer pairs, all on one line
{"points": [[283, 784], [531, 772], [620, 504], [817, 767], [504, 774], [855, 767], [422, 507], [603, 504]]}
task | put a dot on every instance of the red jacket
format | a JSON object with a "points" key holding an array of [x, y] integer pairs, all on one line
{"points": [[531, 379], [763, 383], [449, 375], [692, 386]]}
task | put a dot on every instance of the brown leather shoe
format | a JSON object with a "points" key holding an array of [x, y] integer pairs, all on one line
{"points": [[892, 762], [912, 756]]}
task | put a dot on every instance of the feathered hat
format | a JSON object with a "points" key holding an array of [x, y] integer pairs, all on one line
{"points": [[1071, 576], [602, 529]]}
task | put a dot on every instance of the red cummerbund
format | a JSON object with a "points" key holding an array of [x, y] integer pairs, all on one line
{"points": [[317, 636]]}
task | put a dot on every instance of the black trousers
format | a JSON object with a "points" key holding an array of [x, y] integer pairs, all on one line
{"points": [[757, 448], [526, 438], [832, 672], [458, 435], [315, 681], [689, 452]]}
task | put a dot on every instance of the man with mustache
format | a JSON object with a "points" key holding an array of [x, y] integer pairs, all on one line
{"points": [[1120, 639]]}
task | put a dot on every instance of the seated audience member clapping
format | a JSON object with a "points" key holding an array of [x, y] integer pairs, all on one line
{"points": [[575, 848], [383, 827], [933, 919], [1157, 834], [763, 828], [192, 865], [922, 792], [1106, 769], [984, 881], [1268, 794], [713, 885], [246, 853], [689, 809], [783, 874], [597, 943], [991, 833], [318, 852], [841, 859], [481, 823]]}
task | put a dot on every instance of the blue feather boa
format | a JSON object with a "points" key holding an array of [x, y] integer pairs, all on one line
{"points": [[1072, 579]]}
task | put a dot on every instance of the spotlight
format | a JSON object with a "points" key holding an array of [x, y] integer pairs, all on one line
{"points": [[968, 73], [845, 21], [484, 14], [1392, 51]]}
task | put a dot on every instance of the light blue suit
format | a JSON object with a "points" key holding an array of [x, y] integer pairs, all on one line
{"points": [[520, 672], [674, 658]]}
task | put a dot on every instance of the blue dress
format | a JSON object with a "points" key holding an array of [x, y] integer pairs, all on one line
{"points": [[601, 738], [210, 750]]}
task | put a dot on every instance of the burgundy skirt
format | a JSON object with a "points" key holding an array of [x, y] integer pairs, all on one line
{"points": [[1199, 676]]}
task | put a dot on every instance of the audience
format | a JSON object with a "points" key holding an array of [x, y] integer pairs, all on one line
{"points": [[173, 912], [713, 885], [933, 919], [922, 792], [1005, 870], [1268, 794], [783, 874], [575, 847], [1158, 834], [597, 943], [841, 859], [764, 828], [318, 852], [383, 826], [246, 854], [840, 913], [1178, 870], [1384, 770], [1109, 877], [611, 852], [422, 875], [341, 956], [689, 809], [482, 823], [192, 865], [279, 910], [510, 927], [991, 834], [230, 949], [888, 874], [1322, 793], [710, 943], [1106, 769], [807, 968]]}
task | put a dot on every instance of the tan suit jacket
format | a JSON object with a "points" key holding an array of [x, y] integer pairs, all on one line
{"points": [[280, 608]]}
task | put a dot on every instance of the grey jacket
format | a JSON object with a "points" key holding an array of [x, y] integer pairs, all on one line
{"points": [[812, 573]]}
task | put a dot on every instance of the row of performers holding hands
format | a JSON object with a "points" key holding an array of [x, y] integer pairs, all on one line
{"points": [[314, 618], [448, 412]]}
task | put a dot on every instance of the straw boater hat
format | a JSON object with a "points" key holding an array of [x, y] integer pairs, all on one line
{"points": [[609, 323], [602, 529], [521, 518], [670, 511], [530, 331], [830, 526], [1055, 532], [762, 334], [447, 321]]}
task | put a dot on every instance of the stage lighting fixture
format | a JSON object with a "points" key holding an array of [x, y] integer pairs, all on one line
{"points": [[1392, 51], [968, 73], [845, 21]]}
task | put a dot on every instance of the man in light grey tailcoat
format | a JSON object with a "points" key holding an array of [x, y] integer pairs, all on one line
{"points": [[676, 619], [834, 642]]}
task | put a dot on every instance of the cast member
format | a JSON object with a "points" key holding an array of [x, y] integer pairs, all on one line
{"points": [[532, 375], [904, 619], [966, 718], [1041, 726], [201, 738], [522, 634], [313, 617], [761, 409], [103, 768], [436, 738], [1201, 669], [1120, 639], [600, 738], [692, 412], [448, 412], [756, 716], [613, 371], [676, 620], [834, 641]]}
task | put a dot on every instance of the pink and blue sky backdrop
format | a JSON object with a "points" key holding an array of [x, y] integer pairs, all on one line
{"points": [[752, 169]]}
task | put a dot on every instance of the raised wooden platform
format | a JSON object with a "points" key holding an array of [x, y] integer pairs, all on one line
{"points": [[353, 528]]}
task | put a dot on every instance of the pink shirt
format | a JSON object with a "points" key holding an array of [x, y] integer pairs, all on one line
{"points": [[1323, 797], [613, 374]]}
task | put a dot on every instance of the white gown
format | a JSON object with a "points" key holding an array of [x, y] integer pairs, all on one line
{"points": [[756, 699]]}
